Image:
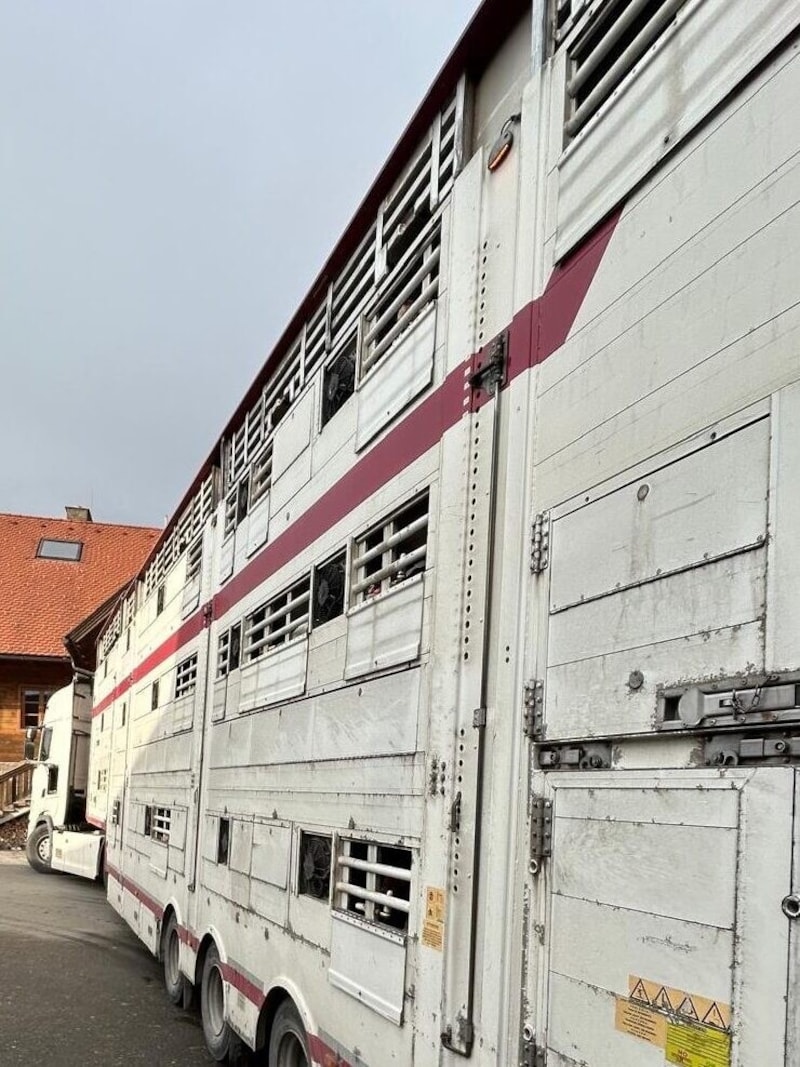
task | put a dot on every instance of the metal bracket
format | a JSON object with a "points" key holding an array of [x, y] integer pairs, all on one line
{"points": [[541, 832], [533, 1055], [729, 750], [746, 701], [533, 716], [464, 1037], [586, 756], [479, 717], [490, 366], [540, 542]]}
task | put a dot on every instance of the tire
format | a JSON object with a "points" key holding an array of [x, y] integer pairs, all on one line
{"points": [[221, 1041], [38, 849], [170, 954], [288, 1042]]}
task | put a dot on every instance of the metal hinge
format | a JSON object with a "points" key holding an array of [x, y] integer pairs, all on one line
{"points": [[541, 832], [533, 1055], [533, 715], [540, 542], [479, 717]]}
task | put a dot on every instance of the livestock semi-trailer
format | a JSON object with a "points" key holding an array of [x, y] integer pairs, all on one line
{"points": [[456, 713]]}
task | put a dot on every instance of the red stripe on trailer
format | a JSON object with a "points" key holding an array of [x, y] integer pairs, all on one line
{"points": [[188, 938], [99, 823], [135, 891], [535, 332]]}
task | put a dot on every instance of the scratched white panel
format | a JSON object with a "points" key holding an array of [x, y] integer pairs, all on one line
{"points": [[398, 378], [293, 435], [386, 630], [707, 505], [241, 845], [671, 880], [226, 557], [369, 967], [695, 64], [258, 525], [278, 676], [270, 862], [190, 597], [218, 702]]}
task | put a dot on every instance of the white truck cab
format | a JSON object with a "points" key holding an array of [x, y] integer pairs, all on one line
{"points": [[58, 837]]}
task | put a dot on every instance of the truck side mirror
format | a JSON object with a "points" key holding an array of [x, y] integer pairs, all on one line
{"points": [[29, 750]]}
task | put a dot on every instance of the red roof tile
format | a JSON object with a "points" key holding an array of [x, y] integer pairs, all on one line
{"points": [[42, 599]]}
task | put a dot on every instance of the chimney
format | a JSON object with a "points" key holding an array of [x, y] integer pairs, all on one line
{"points": [[79, 514]]}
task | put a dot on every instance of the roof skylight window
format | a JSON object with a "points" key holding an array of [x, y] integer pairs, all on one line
{"points": [[67, 550]]}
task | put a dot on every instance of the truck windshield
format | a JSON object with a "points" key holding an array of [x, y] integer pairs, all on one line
{"points": [[44, 747]]}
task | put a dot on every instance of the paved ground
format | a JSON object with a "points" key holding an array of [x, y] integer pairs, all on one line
{"points": [[76, 987]]}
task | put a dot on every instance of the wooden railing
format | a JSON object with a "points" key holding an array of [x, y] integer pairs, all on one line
{"points": [[15, 786]]}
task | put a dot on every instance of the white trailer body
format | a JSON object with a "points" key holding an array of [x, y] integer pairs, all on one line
{"points": [[456, 713]]}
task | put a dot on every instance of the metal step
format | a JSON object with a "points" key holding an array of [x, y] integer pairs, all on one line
{"points": [[10, 816]]}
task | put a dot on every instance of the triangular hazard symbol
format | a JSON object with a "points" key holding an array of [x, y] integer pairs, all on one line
{"points": [[661, 1000], [687, 1009], [713, 1017], [640, 993]]}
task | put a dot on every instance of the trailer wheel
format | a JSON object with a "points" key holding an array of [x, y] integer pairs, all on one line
{"points": [[221, 1041], [170, 952], [288, 1043], [39, 849]]}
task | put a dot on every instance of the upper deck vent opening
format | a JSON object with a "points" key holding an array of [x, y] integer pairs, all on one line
{"points": [[605, 40]]}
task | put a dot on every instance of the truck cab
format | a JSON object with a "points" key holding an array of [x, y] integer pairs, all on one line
{"points": [[58, 835]]}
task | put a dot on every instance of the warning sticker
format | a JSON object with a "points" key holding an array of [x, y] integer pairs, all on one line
{"points": [[678, 1002], [697, 1046], [433, 923], [639, 1021]]}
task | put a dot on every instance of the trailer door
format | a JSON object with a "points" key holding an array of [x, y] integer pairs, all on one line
{"points": [[663, 937]]}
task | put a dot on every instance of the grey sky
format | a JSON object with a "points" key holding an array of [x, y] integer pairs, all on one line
{"points": [[173, 174]]}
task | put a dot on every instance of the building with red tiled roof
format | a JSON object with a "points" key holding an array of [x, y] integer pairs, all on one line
{"points": [[53, 574]]}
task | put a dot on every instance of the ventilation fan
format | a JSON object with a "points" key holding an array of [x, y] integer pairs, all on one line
{"points": [[315, 866], [329, 591], [340, 380]]}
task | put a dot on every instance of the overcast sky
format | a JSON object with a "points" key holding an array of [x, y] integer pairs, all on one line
{"points": [[173, 174]]}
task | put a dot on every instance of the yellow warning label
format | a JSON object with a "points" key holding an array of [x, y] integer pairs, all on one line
{"points": [[697, 1046], [640, 1021], [433, 923], [679, 1002]]}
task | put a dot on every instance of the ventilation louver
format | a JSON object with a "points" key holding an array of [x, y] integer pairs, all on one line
{"points": [[315, 866], [338, 383], [329, 582]]}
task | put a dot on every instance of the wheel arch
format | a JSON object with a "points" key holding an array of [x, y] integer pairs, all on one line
{"points": [[281, 989]]}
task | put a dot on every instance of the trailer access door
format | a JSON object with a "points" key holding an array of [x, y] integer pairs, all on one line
{"points": [[664, 935]]}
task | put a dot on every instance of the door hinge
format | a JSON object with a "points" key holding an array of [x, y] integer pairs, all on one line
{"points": [[533, 715], [540, 542], [533, 1055], [479, 717], [541, 832]]}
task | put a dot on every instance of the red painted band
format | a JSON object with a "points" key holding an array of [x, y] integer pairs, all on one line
{"points": [[534, 333], [136, 891]]}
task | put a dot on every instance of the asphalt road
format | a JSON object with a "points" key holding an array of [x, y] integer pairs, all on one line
{"points": [[77, 988]]}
